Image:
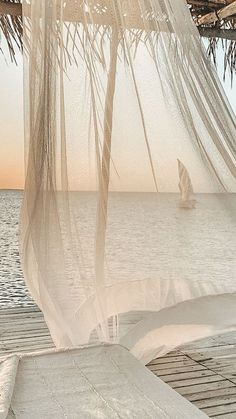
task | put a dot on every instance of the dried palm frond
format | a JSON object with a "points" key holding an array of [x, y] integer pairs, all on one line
{"points": [[11, 28], [216, 19]]}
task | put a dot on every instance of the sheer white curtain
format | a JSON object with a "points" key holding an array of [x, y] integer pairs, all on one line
{"points": [[115, 93]]}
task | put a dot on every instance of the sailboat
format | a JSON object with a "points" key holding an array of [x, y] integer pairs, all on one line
{"points": [[185, 187]]}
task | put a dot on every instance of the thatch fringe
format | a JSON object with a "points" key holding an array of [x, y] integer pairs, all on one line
{"points": [[11, 25], [216, 20]]}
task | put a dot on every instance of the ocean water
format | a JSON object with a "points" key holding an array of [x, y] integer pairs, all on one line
{"points": [[13, 291], [148, 237]]}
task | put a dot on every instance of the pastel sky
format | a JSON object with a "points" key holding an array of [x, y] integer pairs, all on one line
{"points": [[11, 121], [11, 124]]}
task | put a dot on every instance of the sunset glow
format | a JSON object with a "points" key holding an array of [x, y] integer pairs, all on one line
{"points": [[12, 125]]}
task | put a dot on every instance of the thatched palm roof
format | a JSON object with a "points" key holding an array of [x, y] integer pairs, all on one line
{"points": [[215, 19]]}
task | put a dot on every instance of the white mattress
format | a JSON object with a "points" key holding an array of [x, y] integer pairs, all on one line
{"points": [[103, 381]]}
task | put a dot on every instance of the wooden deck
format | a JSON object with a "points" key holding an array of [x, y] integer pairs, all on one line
{"points": [[203, 372]]}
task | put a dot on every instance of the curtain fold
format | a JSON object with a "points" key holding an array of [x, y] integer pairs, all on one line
{"points": [[117, 95]]}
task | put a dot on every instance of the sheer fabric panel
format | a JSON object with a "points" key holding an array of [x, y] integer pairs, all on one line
{"points": [[118, 94]]}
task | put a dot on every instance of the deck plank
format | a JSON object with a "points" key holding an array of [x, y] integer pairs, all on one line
{"points": [[220, 410], [214, 401], [204, 372]]}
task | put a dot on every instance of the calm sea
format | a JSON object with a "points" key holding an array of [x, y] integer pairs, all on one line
{"points": [[148, 236], [12, 288]]}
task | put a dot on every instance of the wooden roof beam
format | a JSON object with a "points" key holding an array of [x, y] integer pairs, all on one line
{"points": [[210, 4], [215, 16], [13, 9], [229, 34]]}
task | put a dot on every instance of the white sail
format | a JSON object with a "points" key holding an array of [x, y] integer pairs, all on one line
{"points": [[185, 187]]}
